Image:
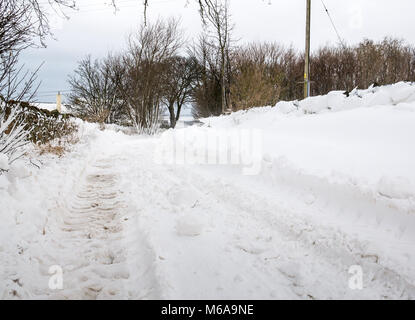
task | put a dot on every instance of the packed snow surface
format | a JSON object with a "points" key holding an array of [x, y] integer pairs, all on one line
{"points": [[333, 191]]}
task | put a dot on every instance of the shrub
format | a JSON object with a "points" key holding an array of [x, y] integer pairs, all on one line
{"points": [[13, 133]]}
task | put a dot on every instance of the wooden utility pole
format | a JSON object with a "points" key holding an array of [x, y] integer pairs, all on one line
{"points": [[307, 52]]}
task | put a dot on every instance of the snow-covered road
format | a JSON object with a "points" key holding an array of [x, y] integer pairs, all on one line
{"points": [[120, 224], [134, 229]]}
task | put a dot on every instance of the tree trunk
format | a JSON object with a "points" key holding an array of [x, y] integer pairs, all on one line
{"points": [[179, 109], [172, 116], [223, 94], [223, 89]]}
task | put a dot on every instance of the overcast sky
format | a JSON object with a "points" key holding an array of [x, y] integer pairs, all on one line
{"points": [[95, 29]]}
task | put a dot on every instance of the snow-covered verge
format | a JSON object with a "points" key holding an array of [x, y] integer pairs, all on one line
{"points": [[334, 192]]}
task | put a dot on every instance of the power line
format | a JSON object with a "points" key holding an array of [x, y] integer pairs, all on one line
{"points": [[51, 94], [120, 4], [332, 23], [53, 91]]}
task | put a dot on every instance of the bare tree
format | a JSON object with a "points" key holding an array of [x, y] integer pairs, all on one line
{"points": [[146, 63], [346, 67], [17, 30], [95, 90], [207, 93], [204, 7], [33, 22], [38, 11], [180, 78], [17, 84], [216, 13]]}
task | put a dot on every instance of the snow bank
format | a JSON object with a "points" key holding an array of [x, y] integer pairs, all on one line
{"points": [[402, 92], [399, 188], [364, 139], [400, 95]]}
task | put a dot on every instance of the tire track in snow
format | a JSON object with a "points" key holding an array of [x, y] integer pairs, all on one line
{"points": [[91, 253], [92, 246]]}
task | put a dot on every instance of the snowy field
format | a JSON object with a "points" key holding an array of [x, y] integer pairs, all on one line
{"points": [[304, 200]]}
